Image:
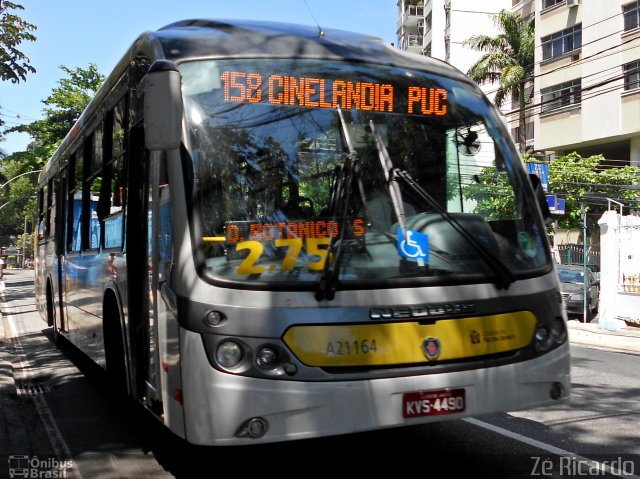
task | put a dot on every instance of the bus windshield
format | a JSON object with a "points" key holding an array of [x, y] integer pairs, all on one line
{"points": [[304, 168]]}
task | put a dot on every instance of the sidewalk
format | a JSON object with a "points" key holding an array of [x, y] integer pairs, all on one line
{"points": [[625, 340], [13, 433]]}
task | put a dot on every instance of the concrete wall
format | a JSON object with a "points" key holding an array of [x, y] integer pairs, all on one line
{"points": [[620, 268]]}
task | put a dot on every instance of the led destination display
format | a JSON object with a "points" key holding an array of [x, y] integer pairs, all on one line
{"points": [[312, 92]]}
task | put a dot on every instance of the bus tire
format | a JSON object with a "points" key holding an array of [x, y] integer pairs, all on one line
{"points": [[114, 348], [52, 320]]}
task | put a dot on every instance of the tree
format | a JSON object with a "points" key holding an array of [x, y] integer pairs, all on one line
{"points": [[62, 108], [14, 65], [508, 60], [587, 180], [576, 179], [13, 31]]}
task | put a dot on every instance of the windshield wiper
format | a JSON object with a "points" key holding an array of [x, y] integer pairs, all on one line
{"points": [[340, 196], [504, 276], [391, 178]]}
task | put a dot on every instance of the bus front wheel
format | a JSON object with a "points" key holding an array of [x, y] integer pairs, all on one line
{"points": [[114, 349]]}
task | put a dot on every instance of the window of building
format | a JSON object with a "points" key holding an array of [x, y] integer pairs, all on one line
{"points": [[515, 97], [632, 76], [551, 3], [528, 132], [562, 42], [631, 13], [564, 94]]}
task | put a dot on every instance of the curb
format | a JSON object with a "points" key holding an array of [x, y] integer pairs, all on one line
{"points": [[591, 335]]}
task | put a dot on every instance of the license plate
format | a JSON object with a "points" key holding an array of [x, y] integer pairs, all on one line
{"points": [[433, 403]]}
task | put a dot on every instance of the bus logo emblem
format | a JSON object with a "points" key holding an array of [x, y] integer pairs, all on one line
{"points": [[431, 348]]}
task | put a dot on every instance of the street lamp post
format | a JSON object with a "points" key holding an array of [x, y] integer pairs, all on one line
{"points": [[18, 176]]}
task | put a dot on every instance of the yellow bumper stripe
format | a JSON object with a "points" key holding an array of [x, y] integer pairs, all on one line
{"points": [[402, 342]]}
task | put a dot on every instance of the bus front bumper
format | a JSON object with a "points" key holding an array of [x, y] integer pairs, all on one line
{"points": [[218, 406]]}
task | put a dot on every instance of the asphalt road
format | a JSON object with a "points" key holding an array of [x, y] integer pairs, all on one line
{"points": [[72, 415]]}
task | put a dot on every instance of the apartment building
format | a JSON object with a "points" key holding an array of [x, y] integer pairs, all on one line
{"points": [[587, 78], [587, 67], [437, 28]]}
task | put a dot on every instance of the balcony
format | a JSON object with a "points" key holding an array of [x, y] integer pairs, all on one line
{"points": [[412, 43], [411, 15]]}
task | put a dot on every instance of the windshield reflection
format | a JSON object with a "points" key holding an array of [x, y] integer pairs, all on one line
{"points": [[294, 194]]}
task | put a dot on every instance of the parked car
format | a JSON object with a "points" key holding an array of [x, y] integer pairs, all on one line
{"points": [[572, 285]]}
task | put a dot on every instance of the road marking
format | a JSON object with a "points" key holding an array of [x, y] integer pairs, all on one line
{"points": [[59, 446], [549, 448]]}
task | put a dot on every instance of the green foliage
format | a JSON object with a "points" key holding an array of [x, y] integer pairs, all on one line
{"points": [[63, 107], [576, 179], [579, 180], [493, 195], [14, 65]]}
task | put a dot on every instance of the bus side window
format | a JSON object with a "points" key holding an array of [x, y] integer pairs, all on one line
{"points": [[74, 202], [52, 208], [93, 179], [42, 211], [114, 188], [41, 230]]}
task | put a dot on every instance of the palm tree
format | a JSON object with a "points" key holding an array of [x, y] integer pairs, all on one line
{"points": [[508, 60]]}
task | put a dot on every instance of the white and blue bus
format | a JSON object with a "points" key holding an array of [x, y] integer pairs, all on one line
{"points": [[264, 232]]}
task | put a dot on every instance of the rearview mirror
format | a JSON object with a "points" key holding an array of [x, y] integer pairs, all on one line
{"points": [[163, 106]]}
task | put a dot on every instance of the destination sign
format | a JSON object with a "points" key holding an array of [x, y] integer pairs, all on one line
{"points": [[313, 92], [295, 237], [241, 231]]}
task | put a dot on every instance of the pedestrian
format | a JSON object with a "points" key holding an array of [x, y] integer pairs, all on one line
{"points": [[2, 265]]}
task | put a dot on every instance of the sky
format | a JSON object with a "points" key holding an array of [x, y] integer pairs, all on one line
{"points": [[75, 33]]}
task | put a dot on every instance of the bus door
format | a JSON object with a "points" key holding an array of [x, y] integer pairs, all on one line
{"points": [[60, 241], [143, 258], [152, 373]]}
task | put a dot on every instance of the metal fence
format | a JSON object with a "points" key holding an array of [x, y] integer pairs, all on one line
{"points": [[574, 254]]}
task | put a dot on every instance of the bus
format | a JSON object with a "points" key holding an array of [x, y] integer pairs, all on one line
{"points": [[268, 232]]}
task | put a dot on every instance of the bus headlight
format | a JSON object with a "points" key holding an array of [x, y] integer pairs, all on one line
{"points": [[214, 318], [550, 335], [542, 340], [229, 353], [266, 357], [558, 331]]}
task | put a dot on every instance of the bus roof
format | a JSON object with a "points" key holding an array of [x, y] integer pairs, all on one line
{"points": [[198, 38]]}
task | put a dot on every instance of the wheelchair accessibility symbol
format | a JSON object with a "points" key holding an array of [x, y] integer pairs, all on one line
{"points": [[415, 247]]}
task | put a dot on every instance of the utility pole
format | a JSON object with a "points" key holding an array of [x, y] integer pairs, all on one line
{"points": [[585, 278], [24, 243]]}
